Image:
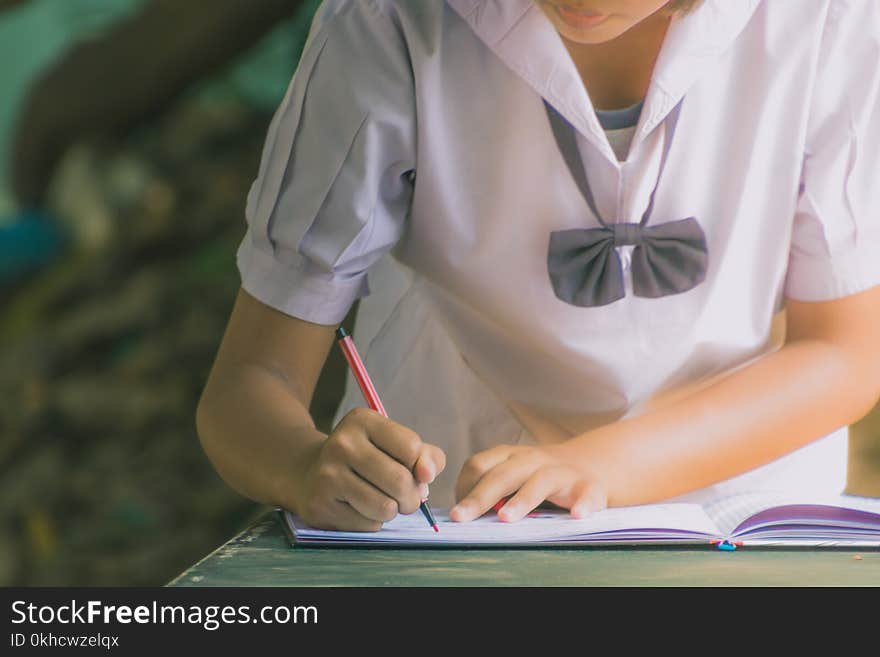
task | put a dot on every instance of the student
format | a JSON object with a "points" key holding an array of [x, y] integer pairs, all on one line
{"points": [[556, 312]]}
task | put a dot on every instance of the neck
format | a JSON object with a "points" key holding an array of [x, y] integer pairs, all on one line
{"points": [[617, 73]]}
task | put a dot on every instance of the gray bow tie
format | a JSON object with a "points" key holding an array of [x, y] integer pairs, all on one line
{"points": [[583, 263]]}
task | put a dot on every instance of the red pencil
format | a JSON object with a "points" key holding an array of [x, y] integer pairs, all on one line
{"points": [[371, 396]]}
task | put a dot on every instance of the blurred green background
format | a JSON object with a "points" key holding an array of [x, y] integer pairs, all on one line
{"points": [[110, 323], [130, 132]]}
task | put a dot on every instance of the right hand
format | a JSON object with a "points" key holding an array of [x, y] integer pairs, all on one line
{"points": [[367, 471]]}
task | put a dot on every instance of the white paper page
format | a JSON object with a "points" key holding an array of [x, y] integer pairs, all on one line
{"points": [[637, 523], [729, 512]]}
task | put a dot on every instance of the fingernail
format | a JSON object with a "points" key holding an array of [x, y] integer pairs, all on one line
{"points": [[508, 513], [423, 490]]}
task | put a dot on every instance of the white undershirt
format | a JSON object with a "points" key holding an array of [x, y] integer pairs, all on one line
{"points": [[620, 140], [620, 126]]}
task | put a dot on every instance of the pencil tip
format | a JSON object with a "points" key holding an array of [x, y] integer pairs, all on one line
{"points": [[436, 528]]}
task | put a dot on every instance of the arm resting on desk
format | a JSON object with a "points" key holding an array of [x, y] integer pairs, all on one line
{"points": [[827, 375]]}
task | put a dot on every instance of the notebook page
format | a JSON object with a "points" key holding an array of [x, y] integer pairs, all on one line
{"points": [[728, 513], [638, 523]]}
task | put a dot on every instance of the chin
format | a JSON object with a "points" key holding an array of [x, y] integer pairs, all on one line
{"points": [[599, 34]]}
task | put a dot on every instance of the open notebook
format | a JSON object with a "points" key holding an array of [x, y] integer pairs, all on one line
{"points": [[758, 519]]}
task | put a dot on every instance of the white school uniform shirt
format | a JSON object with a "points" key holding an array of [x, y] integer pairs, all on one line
{"points": [[412, 165]]}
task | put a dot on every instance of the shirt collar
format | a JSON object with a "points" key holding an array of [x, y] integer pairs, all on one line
{"points": [[521, 36]]}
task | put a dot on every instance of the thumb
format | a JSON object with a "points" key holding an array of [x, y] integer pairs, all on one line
{"points": [[430, 463], [589, 499]]}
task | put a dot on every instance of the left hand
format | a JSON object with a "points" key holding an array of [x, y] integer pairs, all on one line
{"points": [[535, 474]]}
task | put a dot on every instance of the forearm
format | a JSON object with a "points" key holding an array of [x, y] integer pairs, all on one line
{"points": [[258, 434], [775, 405]]}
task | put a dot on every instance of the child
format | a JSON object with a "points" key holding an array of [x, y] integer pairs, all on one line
{"points": [[569, 305]]}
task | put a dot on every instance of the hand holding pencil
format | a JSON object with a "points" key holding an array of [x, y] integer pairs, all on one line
{"points": [[368, 470], [372, 398]]}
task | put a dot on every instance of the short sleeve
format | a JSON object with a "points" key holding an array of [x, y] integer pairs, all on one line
{"points": [[835, 249], [335, 182]]}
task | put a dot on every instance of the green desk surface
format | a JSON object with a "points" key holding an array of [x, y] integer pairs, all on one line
{"points": [[262, 556]]}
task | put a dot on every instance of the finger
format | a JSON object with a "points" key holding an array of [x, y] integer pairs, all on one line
{"points": [[387, 475], [366, 499], [335, 514], [476, 466], [347, 518], [544, 483], [398, 441], [430, 463], [588, 498], [501, 480]]}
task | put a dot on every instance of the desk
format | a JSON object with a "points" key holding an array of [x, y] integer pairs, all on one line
{"points": [[262, 556]]}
